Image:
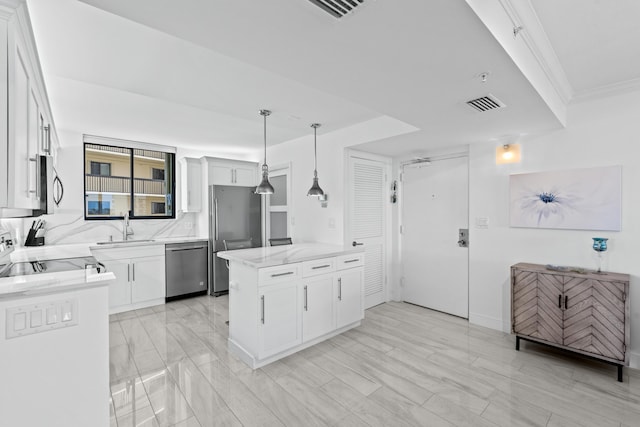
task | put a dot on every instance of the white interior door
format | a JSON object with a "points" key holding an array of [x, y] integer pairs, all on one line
{"points": [[366, 224], [434, 209]]}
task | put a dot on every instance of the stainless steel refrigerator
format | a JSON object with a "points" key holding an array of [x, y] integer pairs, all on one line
{"points": [[234, 213]]}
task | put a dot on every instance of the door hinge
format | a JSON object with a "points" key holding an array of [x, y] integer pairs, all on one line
{"points": [[401, 229], [401, 175]]}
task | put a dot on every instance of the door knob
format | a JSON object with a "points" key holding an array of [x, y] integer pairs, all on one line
{"points": [[356, 243]]}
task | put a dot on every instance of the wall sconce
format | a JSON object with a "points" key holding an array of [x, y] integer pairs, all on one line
{"points": [[508, 153]]}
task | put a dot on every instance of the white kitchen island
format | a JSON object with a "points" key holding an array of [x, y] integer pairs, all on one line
{"points": [[286, 298], [54, 343]]}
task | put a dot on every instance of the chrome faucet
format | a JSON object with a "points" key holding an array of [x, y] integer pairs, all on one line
{"points": [[126, 229]]}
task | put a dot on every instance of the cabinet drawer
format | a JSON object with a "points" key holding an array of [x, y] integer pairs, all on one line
{"points": [[318, 266], [280, 273], [349, 261]]}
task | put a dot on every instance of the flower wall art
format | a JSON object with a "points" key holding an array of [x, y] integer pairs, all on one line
{"points": [[579, 199]]}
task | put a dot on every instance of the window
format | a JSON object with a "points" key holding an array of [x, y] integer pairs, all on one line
{"points": [[157, 173], [279, 203], [100, 168], [157, 208], [134, 179]]}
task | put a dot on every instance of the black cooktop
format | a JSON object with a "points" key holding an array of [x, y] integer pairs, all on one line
{"points": [[27, 268]]}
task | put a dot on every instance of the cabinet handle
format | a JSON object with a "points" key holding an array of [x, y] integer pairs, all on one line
{"points": [[235, 176], [128, 272], [231, 175], [133, 267], [320, 266], [262, 309], [340, 289], [282, 274], [559, 301], [566, 302], [351, 260], [305, 299], [47, 129], [36, 160]]}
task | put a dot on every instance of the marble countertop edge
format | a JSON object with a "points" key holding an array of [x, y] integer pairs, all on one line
{"points": [[51, 283], [288, 254]]}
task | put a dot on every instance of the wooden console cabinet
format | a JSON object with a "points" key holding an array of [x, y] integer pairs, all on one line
{"points": [[587, 313]]}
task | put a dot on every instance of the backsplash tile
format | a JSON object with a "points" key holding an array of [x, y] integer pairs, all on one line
{"points": [[63, 228]]}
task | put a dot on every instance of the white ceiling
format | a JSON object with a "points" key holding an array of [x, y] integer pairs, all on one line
{"points": [[596, 41], [195, 73]]}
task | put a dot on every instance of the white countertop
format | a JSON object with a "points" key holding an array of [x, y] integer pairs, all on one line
{"points": [[156, 241], [50, 283], [286, 254]]}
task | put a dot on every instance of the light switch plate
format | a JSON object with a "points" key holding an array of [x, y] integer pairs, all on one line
{"points": [[28, 319]]}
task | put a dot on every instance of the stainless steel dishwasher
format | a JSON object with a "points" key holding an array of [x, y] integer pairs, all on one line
{"points": [[186, 269]]}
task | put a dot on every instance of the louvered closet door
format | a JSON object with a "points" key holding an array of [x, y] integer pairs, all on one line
{"points": [[594, 316], [536, 300], [367, 196]]}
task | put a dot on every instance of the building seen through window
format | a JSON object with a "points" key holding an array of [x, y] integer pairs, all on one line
{"points": [[121, 179]]}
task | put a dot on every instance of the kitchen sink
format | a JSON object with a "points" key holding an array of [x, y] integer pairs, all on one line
{"points": [[124, 242]]}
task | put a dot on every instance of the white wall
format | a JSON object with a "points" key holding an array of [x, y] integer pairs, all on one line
{"points": [[599, 133]]}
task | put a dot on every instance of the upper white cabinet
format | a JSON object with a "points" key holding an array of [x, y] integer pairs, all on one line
{"points": [[232, 172], [190, 185], [26, 128]]}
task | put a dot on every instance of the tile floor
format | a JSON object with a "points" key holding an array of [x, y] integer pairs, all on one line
{"points": [[405, 365]]}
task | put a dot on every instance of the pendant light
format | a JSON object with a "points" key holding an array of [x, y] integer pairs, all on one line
{"points": [[315, 189], [265, 186]]}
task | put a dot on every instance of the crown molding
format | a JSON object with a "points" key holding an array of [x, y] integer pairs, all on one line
{"points": [[522, 13], [605, 91]]}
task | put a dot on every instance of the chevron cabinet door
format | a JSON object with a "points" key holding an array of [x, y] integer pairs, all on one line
{"points": [[536, 305], [594, 318]]}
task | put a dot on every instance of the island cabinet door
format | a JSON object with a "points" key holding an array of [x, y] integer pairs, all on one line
{"points": [[278, 318], [594, 316], [537, 305], [317, 307], [348, 297]]}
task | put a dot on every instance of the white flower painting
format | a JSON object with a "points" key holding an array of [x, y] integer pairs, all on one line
{"points": [[579, 199]]}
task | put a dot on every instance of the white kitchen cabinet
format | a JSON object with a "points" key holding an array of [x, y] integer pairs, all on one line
{"points": [[190, 185], [279, 318], [25, 115], [349, 290], [232, 172], [318, 307], [349, 296], [140, 276]]}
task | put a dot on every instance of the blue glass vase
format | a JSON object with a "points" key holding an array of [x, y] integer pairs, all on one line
{"points": [[600, 246]]}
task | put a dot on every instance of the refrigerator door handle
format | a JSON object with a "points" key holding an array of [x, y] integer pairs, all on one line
{"points": [[215, 202]]}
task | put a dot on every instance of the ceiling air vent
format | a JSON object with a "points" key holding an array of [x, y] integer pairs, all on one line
{"points": [[485, 103], [337, 8]]}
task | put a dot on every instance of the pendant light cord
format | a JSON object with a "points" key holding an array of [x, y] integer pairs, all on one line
{"points": [[315, 152], [265, 139]]}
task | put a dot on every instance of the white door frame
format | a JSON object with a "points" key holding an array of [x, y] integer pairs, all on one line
{"points": [[387, 161]]}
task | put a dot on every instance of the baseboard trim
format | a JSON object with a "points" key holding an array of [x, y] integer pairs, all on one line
{"points": [[489, 322], [634, 360]]}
